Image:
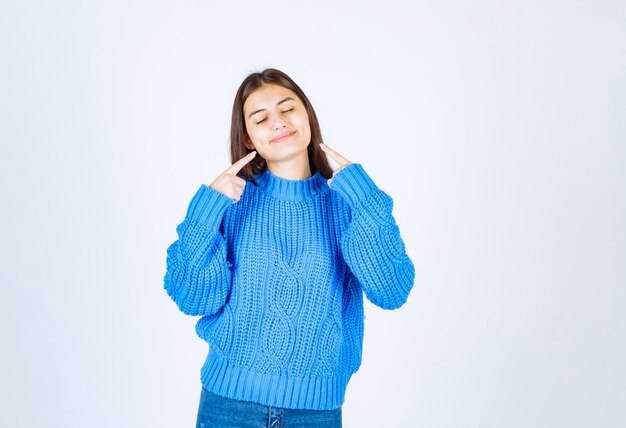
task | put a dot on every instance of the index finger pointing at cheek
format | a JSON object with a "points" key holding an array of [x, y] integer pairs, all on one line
{"points": [[236, 167], [342, 161]]}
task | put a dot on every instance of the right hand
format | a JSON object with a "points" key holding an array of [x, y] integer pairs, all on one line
{"points": [[227, 183]]}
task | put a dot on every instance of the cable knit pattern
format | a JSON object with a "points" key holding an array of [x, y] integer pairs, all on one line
{"points": [[278, 278]]}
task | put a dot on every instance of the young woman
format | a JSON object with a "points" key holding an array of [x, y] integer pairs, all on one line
{"points": [[275, 255]]}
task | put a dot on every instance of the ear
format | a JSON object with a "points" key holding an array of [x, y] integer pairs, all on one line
{"points": [[248, 143]]}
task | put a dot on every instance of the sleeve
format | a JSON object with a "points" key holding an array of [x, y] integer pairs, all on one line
{"points": [[371, 245], [198, 276]]}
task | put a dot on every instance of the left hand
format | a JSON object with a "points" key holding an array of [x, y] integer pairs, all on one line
{"points": [[342, 161]]}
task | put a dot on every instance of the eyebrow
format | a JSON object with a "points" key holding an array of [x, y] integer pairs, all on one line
{"points": [[278, 103]]}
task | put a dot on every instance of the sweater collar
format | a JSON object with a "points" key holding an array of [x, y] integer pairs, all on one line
{"points": [[292, 190]]}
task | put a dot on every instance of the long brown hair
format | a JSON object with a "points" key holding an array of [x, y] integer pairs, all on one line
{"points": [[238, 132]]}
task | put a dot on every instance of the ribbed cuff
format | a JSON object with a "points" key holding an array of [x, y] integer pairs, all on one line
{"points": [[353, 183], [208, 206]]}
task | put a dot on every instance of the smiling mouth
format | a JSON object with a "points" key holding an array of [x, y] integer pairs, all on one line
{"points": [[283, 137]]}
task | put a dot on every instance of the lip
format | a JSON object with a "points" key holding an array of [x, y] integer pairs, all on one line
{"points": [[283, 137]]}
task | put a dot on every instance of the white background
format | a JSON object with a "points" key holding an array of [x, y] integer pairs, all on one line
{"points": [[497, 127]]}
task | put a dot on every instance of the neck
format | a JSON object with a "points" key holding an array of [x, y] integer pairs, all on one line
{"points": [[294, 169]]}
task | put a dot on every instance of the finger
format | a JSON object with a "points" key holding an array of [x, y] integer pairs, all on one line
{"points": [[236, 167], [240, 182], [336, 156]]}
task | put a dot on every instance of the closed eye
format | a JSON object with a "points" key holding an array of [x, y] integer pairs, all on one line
{"points": [[261, 121]]}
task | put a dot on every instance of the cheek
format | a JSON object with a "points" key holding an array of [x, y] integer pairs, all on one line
{"points": [[257, 136], [307, 128], [303, 123]]}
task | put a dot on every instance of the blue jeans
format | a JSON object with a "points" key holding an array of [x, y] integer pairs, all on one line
{"points": [[216, 411]]}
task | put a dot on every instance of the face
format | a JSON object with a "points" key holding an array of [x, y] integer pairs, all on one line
{"points": [[277, 123]]}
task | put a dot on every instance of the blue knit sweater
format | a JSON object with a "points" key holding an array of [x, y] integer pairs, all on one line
{"points": [[278, 278]]}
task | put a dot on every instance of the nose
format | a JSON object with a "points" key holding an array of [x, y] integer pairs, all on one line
{"points": [[279, 123]]}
